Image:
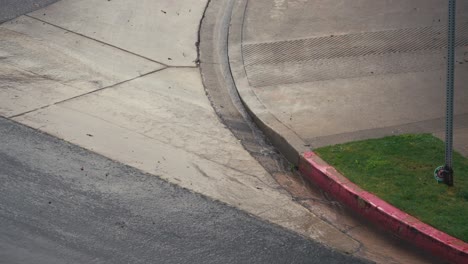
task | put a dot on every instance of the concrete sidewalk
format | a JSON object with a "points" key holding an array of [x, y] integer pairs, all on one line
{"points": [[120, 78], [315, 73], [335, 71]]}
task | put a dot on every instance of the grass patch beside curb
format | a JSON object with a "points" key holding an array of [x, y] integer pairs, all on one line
{"points": [[400, 170]]}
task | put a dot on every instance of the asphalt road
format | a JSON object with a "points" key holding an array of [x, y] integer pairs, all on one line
{"points": [[10, 9], [62, 204]]}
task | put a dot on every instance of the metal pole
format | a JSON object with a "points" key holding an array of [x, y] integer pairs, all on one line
{"points": [[450, 92]]}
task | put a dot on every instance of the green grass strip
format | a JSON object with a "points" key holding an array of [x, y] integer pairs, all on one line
{"points": [[399, 169]]}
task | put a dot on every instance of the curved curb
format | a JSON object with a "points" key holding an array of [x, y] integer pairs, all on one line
{"points": [[380, 212], [321, 174], [224, 98], [281, 136]]}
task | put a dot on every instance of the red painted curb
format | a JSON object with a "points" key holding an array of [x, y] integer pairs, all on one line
{"points": [[380, 212]]}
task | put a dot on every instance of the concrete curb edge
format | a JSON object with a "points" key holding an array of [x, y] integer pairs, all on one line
{"points": [[282, 137], [321, 174], [380, 212]]}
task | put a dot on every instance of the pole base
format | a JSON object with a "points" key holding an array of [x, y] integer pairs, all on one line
{"points": [[444, 174]]}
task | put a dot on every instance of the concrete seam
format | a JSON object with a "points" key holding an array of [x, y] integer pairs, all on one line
{"points": [[100, 41], [90, 92]]}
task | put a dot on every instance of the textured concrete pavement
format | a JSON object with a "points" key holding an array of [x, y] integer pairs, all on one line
{"points": [[63, 204], [162, 30], [46, 65], [121, 78], [270, 23], [134, 94], [336, 71]]}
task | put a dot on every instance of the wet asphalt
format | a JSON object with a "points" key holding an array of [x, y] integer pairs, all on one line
{"points": [[10, 9], [60, 203]]}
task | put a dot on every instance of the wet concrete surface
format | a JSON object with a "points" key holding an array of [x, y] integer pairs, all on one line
{"points": [[375, 245], [62, 204], [339, 71], [151, 116]]}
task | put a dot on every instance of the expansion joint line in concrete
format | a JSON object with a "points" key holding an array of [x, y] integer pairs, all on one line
{"points": [[90, 92], [110, 45]]}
